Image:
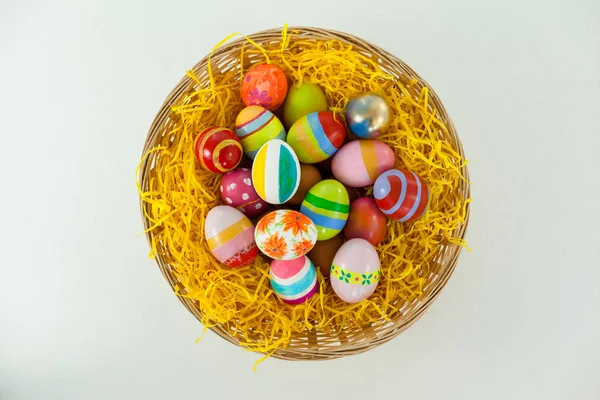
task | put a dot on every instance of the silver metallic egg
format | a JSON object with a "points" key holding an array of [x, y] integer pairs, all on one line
{"points": [[367, 115]]}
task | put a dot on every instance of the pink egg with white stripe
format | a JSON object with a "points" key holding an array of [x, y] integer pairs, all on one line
{"points": [[401, 195], [237, 190], [294, 281], [230, 236]]}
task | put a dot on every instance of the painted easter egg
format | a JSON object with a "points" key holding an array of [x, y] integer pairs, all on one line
{"points": [[367, 115], [327, 205], [294, 281], [303, 100], [322, 254], [230, 236], [316, 136], [218, 149], [360, 162], [366, 221], [255, 126], [237, 191], [285, 234], [276, 172], [264, 85], [309, 177], [401, 195], [355, 271]]}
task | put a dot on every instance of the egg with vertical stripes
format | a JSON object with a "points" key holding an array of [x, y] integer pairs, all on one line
{"points": [[360, 162], [401, 194], [327, 205], [316, 136], [230, 236], [255, 126], [276, 172], [294, 281]]}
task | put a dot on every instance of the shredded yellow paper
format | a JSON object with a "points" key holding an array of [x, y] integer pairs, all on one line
{"points": [[180, 194]]}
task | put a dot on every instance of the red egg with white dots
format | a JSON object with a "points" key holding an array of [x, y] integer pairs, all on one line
{"points": [[218, 149], [237, 190]]}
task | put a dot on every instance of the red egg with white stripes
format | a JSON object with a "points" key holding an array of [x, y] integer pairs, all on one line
{"points": [[401, 195], [218, 149]]}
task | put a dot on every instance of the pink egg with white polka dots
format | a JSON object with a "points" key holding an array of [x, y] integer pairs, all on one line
{"points": [[238, 191]]}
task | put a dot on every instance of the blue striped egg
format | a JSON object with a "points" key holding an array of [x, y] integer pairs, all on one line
{"points": [[316, 136], [276, 172], [294, 281]]}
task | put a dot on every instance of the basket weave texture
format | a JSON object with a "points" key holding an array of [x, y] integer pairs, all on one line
{"points": [[316, 345]]}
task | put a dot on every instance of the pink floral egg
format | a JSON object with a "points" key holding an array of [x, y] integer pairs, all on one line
{"points": [[238, 191]]}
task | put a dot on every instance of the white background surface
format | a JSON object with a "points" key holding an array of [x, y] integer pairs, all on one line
{"points": [[85, 315]]}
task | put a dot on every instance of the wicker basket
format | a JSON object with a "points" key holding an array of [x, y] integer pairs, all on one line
{"points": [[314, 345]]}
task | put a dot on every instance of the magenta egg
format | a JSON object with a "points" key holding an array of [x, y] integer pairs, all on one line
{"points": [[360, 162], [237, 190], [355, 271]]}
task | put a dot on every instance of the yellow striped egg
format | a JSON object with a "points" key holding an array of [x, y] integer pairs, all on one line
{"points": [[255, 126]]}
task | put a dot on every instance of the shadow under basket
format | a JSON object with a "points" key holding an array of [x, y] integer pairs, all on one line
{"points": [[312, 344]]}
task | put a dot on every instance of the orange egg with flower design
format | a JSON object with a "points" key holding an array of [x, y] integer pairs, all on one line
{"points": [[264, 85], [285, 234]]}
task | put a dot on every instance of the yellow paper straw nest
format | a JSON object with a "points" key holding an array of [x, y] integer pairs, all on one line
{"points": [[177, 194]]}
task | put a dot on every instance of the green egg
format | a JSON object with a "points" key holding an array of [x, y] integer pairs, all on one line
{"points": [[303, 100], [327, 205]]}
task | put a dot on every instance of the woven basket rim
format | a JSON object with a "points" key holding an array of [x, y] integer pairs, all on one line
{"points": [[394, 327]]}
